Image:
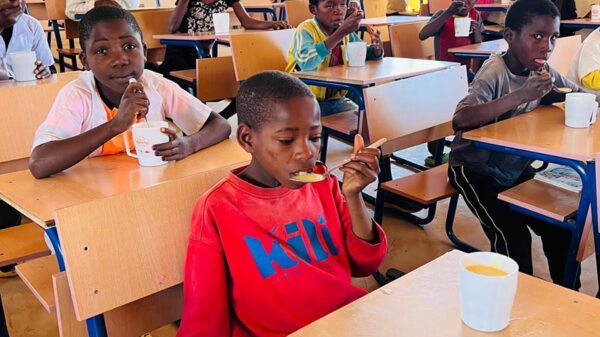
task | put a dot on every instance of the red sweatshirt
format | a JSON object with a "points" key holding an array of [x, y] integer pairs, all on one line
{"points": [[267, 261]]}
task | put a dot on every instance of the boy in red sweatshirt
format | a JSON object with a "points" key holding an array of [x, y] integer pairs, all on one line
{"points": [[266, 254]]}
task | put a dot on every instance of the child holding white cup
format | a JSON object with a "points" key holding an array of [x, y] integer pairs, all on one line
{"points": [[90, 114], [22, 33]]}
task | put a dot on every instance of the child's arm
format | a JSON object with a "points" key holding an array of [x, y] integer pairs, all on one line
{"points": [[435, 24], [214, 130], [472, 116], [358, 173], [55, 156], [251, 23], [350, 25], [477, 30], [205, 306], [177, 16]]}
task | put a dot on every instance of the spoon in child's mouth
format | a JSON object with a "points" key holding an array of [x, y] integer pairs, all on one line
{"points": [[561, 90], [309, 177], [133, 80]]}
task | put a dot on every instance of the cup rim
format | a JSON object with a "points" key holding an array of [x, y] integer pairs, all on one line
{"points": [[161, 124], [580, 94], [514, 266]]}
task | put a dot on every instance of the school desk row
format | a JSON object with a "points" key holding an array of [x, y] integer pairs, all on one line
{"points": [[115, 183]]}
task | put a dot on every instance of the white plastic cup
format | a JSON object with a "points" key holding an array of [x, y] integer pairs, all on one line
{"points": [[22, 65], [580, 110], [144, 138], [356, 53], [595, 12], [221, 22], [462, 27], [486, 301]]}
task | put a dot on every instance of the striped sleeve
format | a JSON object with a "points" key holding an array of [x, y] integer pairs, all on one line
{"points": [[308, 54]]}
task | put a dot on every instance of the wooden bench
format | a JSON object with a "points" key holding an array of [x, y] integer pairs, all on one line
{"points": [[248, 51], [496, 30], [216, 78], [127, 264], [415, 119], [22, 243], [37, 276], [405, 42], [543, 198], [297, 11]]}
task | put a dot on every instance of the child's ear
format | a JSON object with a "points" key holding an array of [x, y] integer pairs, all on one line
{"points": [[313, 9], [83, 59], [508, 34], [145, 51], [245, 137]]}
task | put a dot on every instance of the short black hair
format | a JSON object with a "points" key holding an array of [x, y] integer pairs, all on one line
{"points": [[259, 94], [522, 12], [316, 2], [104, 13]]}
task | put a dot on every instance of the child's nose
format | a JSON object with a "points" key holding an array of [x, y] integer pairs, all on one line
{"points": [[119, 58], [305, 151]]}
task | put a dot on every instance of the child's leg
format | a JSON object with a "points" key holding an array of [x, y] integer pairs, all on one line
{"points": [[9, 217], [556, 242], [504, 227], [337, 105]]}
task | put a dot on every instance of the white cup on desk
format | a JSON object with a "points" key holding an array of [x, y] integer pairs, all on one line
{"points": [[144, 138], [221, 22], [23, 65], [462, 27], [595, 12], [356, 53], [487, 284], [580, 110]]}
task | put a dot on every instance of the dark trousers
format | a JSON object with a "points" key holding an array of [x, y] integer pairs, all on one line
{"points": [[506, 228]]}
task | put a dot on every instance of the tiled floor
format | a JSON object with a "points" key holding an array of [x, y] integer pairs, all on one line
{"points": [[410, 246]]}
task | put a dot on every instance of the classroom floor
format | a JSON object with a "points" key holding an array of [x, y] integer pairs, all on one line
{"points": [[410, 246]]}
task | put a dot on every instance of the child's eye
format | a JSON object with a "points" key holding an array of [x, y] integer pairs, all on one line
{"points": [[315, 138], [286, 141], [101, 51], [129, 46], [537, 36]]}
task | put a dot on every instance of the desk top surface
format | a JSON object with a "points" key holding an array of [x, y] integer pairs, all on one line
{"points": [[54, 78], [542, 130], [387, 69], [393, 20], [201, 36], [487, 47], [101, 177], [425, 302], [586, 21]]}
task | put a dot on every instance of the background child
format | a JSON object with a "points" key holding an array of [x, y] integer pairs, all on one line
{"points": [[509, 85], [192, 16], [268, 255], [441, 26], [90, 114], [585, 68], [321, 42], [21, 32]]}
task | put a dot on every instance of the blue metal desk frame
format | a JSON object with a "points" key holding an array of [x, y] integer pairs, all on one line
{"points": [[588, 198], [95, 325], [491, 9]]}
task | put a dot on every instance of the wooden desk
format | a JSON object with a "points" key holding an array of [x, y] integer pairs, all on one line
{"points": [[194, 39], [480, 50], [393, 20], [542, 131], [425, 302], [580, 23], [492, 7], [542, 135], [101, 177], [374, 72]]}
